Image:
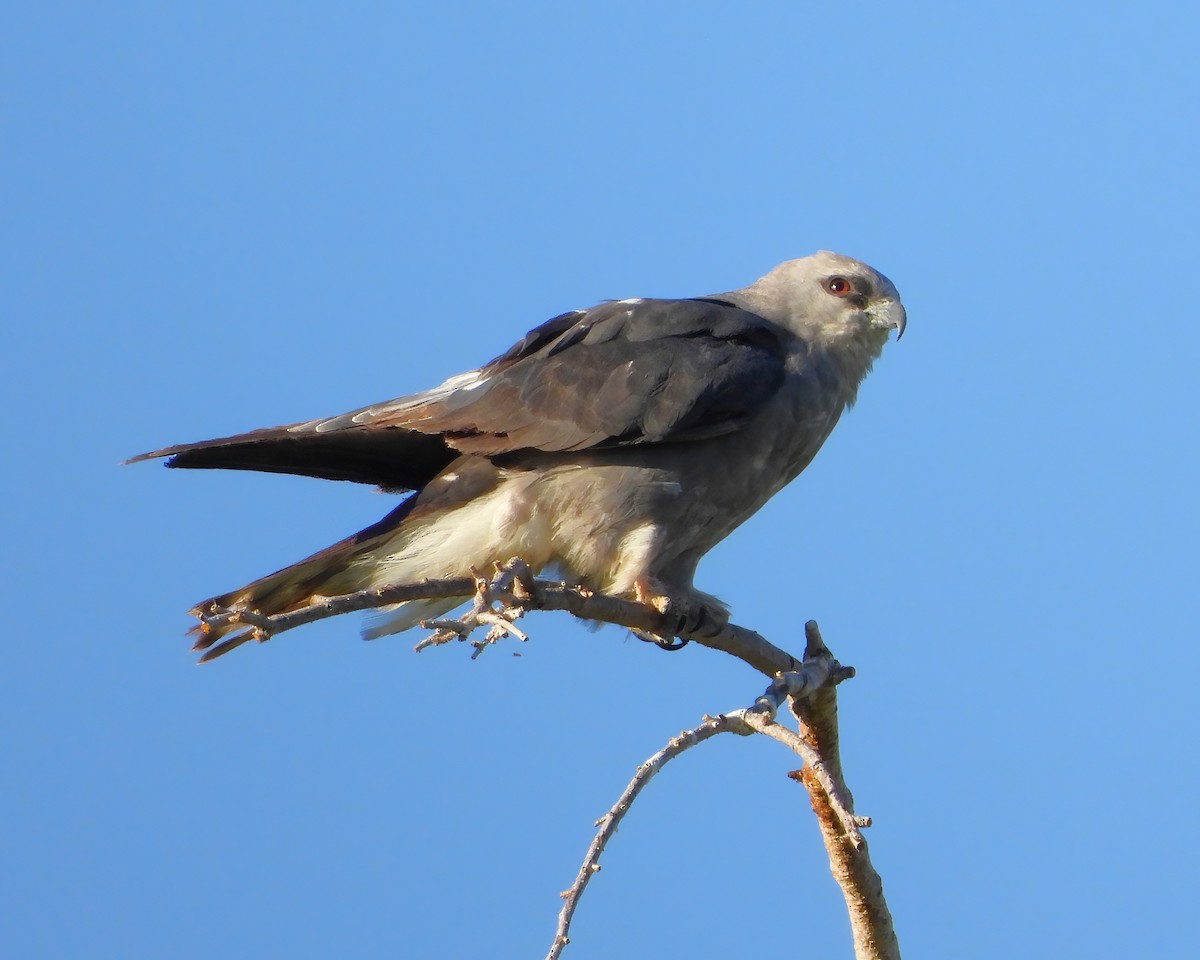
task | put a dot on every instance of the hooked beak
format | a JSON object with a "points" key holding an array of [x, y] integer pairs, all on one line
{"points": [[888, 314]]}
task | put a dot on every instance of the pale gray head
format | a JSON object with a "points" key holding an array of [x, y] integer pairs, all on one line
{"points": [[828, 298]]}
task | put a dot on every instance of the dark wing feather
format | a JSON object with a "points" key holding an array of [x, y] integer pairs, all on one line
{"points": [[626, 372]]}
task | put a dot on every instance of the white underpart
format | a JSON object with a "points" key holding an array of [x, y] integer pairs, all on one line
{"points": [[634, 555], [596, 539], [499, 525]]}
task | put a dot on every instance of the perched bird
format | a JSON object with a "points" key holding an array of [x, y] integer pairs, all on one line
{"points": [[617, 444]]}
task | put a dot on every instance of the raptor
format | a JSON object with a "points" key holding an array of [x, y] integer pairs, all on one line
{"points": [[616, 444]]}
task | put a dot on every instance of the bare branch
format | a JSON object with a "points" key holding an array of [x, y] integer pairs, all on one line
{"points": [[808, 685], [610, 821], [349, 603], [495, 605], [840, 804], [515, 580], [818, 672], [870, 920]]}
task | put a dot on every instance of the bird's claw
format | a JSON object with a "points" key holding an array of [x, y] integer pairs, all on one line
{"points": [[685, 616], [669, 644]]}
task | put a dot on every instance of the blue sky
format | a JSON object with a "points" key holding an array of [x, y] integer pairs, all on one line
{"points": [[225, 216]]}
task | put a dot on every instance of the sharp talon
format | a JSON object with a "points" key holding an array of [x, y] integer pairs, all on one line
{"points": [[670, 644]]}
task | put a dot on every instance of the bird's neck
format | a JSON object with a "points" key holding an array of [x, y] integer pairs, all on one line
{"points": [[852, 353]]}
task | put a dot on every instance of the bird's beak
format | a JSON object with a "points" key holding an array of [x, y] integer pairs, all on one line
{"points": [[888, 314]]}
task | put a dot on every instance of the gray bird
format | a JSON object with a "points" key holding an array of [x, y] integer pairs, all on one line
{"points": [[617, 444]]}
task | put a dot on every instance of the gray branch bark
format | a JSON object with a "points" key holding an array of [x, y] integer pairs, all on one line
{"points": [[807, 686]]}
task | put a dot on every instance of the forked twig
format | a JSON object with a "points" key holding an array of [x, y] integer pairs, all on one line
{"points": [[807, 685], [817, 675], [497, 604]]}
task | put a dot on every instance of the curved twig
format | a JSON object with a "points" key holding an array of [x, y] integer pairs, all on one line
{"points": [[819, 673], [609, 822]]}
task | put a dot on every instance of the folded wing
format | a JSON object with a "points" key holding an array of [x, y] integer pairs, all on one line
{"points": [[624, 372]]}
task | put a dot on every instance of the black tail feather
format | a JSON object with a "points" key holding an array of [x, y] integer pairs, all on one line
{"points": [[391, 457]]}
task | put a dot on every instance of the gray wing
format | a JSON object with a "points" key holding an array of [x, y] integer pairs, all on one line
{"points": [[625, 372]]}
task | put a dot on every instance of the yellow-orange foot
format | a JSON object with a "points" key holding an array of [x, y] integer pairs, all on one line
{"points": [[688, 613]]}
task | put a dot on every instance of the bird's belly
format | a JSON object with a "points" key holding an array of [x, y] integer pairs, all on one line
{"points": [[616, 516]]}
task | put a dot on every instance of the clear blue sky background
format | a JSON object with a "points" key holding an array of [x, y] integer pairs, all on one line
{"points": [[221, 216]]}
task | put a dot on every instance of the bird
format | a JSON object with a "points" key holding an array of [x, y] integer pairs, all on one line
{"points": [[615, 445]]}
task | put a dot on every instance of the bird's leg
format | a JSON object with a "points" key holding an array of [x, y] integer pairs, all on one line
{"points": [[687, 612]]}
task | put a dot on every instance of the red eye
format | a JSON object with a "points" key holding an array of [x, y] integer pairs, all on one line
{"points": [[839, 286]]}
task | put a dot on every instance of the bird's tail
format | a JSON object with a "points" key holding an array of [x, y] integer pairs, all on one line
{"points": [[346, 567]]}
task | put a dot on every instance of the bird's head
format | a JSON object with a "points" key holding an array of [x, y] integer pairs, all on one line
{"points": [[831, 299]]}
